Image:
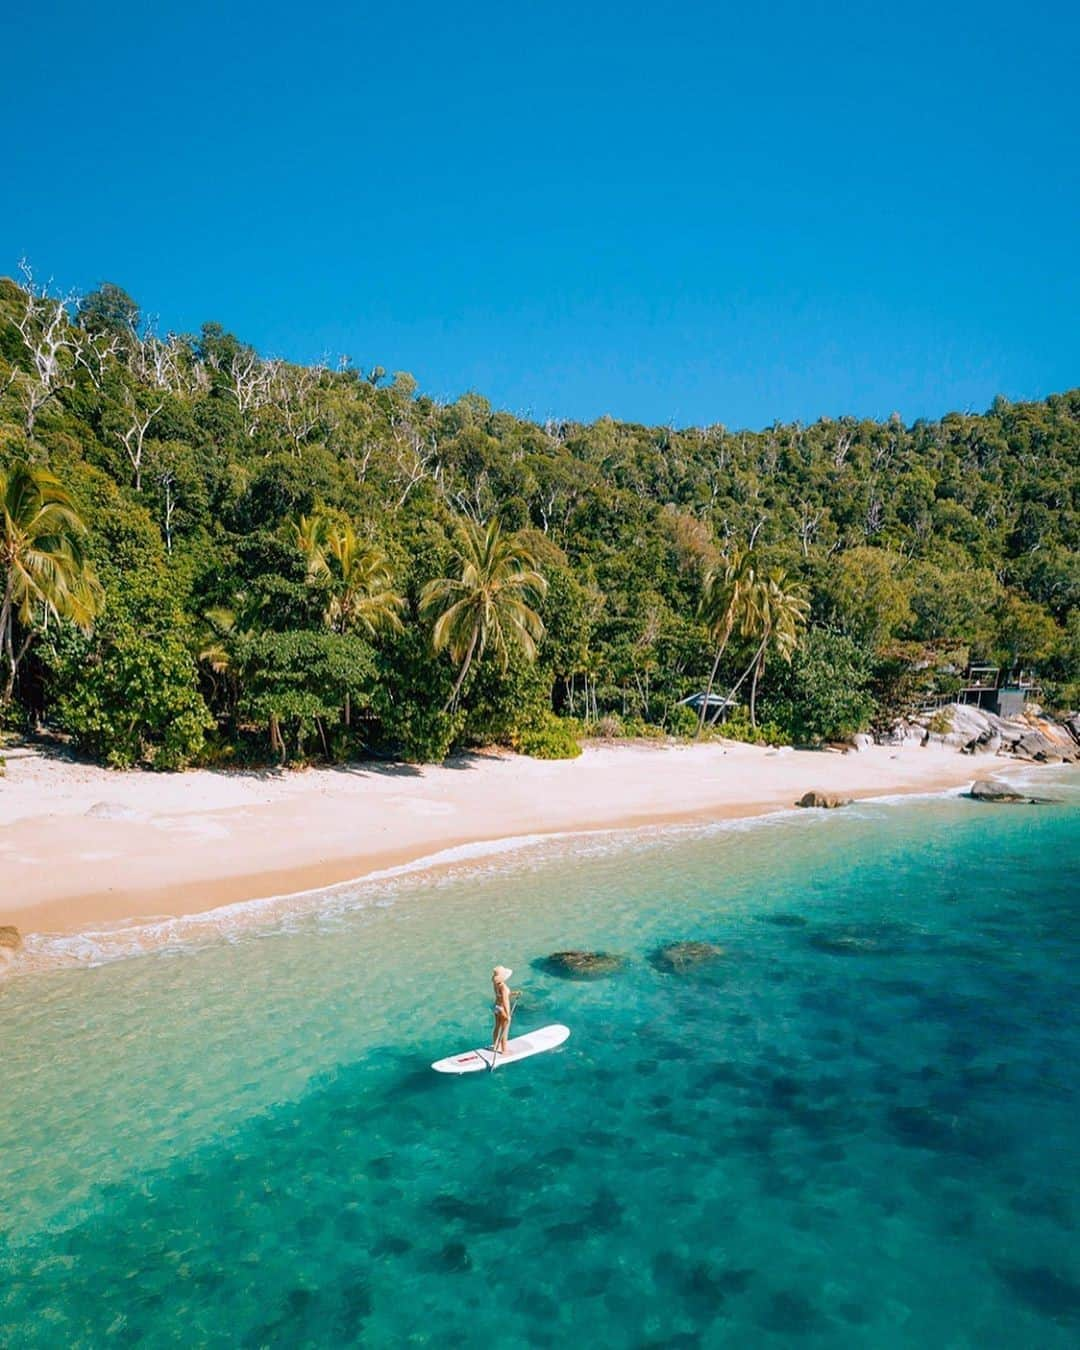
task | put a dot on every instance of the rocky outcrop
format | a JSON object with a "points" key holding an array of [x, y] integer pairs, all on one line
{"points": [[1031, 737], [1043, 749], [576, 965], [825, 801], [677, 958], [987, 790], [10, 944], [991, 790], [988, 742]]}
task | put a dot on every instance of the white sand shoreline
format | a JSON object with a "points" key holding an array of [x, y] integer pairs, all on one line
{"points": [[96, 945], [83, 848]]}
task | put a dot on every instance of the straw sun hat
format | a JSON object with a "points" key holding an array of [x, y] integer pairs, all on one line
{"points": [[501, 973]]}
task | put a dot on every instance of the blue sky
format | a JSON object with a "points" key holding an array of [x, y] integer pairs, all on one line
{"points": [[681, 213]]}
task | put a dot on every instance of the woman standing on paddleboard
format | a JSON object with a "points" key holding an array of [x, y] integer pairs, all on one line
{"points": [[499, 977]]}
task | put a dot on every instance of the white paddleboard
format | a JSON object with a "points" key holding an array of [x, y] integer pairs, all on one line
{"points": [[519, 1047]]}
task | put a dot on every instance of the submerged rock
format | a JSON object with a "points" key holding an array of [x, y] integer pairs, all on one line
{"points": [[454, 1258], [791, 1313], [861, 939], [827, 801], [575, 965], [1046, 1290], [677, 958]]}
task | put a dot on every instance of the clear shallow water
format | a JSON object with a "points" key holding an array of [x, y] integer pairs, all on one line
{"points": [[858, 1128]]}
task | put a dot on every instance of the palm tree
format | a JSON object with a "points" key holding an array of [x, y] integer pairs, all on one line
{"points": [[224, 629], [308, 533], [723, 600], [487, 601], [44, 571], [357, 577], [360, 582], [774, 613]]}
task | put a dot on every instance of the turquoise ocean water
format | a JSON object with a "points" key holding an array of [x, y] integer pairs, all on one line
{"points": [[859, 1127]]}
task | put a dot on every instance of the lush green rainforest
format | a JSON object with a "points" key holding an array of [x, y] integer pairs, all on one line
{"points": [[208, 556]]}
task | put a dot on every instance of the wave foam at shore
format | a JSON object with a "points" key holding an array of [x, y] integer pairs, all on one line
{"points": [[123, 940], [126, 939]]}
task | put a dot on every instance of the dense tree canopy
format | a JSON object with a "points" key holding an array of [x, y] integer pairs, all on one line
{"points": [[277, 545]]}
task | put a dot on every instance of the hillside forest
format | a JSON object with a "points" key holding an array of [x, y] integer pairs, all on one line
{"points": [[212, 556]]}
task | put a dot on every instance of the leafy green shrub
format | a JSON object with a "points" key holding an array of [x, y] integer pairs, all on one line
{"points": [[501, 703], [296, 684], [218, 753], [682, 721], [407, 701], [555, 738], [424, 735], [129, 700], [639, 729], [738, 728], [822, 695]]}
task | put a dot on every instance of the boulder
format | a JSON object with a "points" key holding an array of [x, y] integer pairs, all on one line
{"points": [[861, 741], [1034, 746], [575, 965], [987, 790], [973, 729], [677, 958], [1030, 736], [988, 743], [860, 939], [10, 943], [990, 790], [826, 801]]}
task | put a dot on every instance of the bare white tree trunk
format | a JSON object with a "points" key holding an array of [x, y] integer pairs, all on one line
{"points": [[249, 380], [134, 438], [295, 394], [52, 344], [414, 457], [168, 482], [809, 523]]}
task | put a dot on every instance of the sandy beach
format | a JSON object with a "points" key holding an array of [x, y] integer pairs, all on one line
{"points": [[83, 847]]}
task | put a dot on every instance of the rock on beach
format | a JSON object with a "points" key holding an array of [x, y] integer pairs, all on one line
{"points": [[10, 944], [975, 731], [826, 801], [990, 790]]}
